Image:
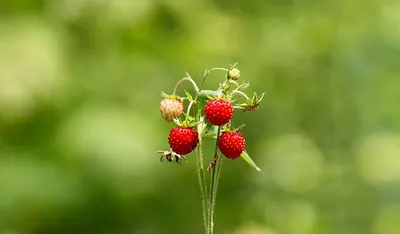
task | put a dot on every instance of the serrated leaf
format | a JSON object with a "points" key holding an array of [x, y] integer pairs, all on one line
{"points": [[189, 96], [210, 93], [250, 161]]}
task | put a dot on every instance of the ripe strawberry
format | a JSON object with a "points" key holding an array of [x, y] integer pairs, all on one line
{"points": [[171, 108], [218, 111], [183, 140], [231, 144]]}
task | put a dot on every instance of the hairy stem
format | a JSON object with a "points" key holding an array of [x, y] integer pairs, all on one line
{"points": [[218, 68], [204, 79], [207, 72], [188, 78], [213, 187], [217, 174], [240, 93], [202, 182], [208, 200], [188, 109], [234, 82]]}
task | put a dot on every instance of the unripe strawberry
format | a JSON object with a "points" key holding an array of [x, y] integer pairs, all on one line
{"points": [[171, 108], [234, 74], [183, 140], [218, 111], [231, 144]]}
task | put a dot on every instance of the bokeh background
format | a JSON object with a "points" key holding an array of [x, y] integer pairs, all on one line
{"points": [[80, 84]]}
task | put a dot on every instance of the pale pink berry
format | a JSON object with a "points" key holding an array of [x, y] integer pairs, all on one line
{"points": [[171, 108]]}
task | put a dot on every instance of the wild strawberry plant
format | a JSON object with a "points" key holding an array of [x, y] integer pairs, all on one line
{"points": [[209, 113]]}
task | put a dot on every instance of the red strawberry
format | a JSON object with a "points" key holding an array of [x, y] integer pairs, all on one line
{"points": [[183, 140], [218, 111], [231, 144], [171, 108]]}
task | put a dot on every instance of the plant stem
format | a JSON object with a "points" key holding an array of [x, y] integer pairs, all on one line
{"points": [[188, 109], [202, 178], [240, 93], [188, 78], [216, 174], [208, 203], [234, 82], [204, 79], [207, 72], [218, 68], [213, 187]]}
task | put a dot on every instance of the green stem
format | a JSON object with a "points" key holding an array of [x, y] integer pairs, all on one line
{"points": [[218, 68], [234, 82], [207, 72], [213, 187], [188, 109], [188, 78], [208, 203], [202, 182], [240, 93], [204, 79], [216, 171]]}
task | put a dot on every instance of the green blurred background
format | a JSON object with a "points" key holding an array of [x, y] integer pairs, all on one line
{"points": [[80, 84]]}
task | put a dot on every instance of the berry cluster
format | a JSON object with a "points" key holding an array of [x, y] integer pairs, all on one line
{"points": [[208, 114], [215, 107]]}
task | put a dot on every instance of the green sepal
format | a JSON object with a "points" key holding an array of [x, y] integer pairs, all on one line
{"points": [[173, 97], [251, 104], [211, 132], [190, 118], [188, 122], [189, 96]]}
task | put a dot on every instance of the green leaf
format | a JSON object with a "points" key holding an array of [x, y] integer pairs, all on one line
{"points": [[189, 97], [250, 161], [212, 132], [209, 93]]}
